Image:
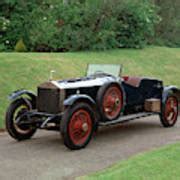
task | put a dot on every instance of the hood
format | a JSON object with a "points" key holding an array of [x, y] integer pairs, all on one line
{"points": [[83, 82]]}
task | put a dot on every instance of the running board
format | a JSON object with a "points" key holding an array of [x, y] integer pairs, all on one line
{"points": [[127, 118]]}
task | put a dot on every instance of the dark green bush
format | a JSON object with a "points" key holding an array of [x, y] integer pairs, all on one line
{"points": [[17, 12], [168, 31], [81, 25], [4, 25], [135, 23], [93, 25]]}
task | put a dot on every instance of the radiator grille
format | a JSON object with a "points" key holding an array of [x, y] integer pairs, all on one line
{"points": [[49, 99]]}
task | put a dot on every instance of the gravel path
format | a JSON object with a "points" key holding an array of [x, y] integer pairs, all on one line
{"points": [[46, 158]]}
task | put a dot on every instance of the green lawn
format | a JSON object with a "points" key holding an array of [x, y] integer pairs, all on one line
{"points": [[161, 164], [27, 70]]}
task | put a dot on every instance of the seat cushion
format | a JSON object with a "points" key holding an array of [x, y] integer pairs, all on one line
{"points": [[133, 81]]}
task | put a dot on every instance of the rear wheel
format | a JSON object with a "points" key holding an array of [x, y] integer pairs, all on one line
{"points": [[169, 112], [14, 117], [78, 125]]}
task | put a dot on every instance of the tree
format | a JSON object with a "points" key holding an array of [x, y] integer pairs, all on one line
{"points": [[169, 28]]}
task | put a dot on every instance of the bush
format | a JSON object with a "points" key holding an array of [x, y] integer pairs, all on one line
{"points": [[94, 25], [135, 24], [168, 31], [17, 12], [20, 46], [82, 25], [4, 25]]}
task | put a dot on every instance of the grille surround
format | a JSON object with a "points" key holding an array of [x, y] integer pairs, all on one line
{"points": [[50, 98]]}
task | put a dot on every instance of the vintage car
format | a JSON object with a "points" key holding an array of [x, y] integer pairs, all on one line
{"points": [[76, 107]]}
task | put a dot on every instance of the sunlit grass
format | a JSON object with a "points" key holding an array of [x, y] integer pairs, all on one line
{"points": [[161, 164], [27, 70]]}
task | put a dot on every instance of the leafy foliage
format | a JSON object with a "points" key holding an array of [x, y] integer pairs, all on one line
{"points": [[168, 31], [52, 25], [17, 12]]}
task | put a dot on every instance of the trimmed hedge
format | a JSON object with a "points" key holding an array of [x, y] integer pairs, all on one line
{"points": [[80, 25]]}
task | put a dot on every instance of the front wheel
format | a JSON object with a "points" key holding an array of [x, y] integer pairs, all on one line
{"points": [[14, 116], [78, 125], [169, 114]]}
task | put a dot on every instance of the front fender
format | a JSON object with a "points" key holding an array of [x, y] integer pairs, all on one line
{"points": [[20, 93], [74, 98]]}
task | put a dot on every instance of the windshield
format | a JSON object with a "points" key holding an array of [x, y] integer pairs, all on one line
{"points": [[112, 69]]}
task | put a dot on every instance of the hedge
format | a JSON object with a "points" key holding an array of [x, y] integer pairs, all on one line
{"points": [[78, 25]]}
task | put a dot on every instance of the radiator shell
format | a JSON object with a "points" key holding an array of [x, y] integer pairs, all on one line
{"points": [[50, 98]]}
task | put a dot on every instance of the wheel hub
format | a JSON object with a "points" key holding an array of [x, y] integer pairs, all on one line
{"points": [[117, 101], [113, 104], [85, 127]]}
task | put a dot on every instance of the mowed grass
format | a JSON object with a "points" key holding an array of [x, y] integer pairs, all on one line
{"points": [[27, 70], [161, 164]]}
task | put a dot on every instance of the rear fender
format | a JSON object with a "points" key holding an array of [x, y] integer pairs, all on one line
{"points": [[171, 90]]}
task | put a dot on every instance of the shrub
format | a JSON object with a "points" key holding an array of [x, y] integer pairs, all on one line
{"points": [[168, 31], [20, 46], [4, 25], [17, 12], [82, 25], [94, 25], [42, 32], [135, 23]]}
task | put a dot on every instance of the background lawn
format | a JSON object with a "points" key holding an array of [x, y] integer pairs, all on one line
{"points": [[161, 164], [27, 70]]}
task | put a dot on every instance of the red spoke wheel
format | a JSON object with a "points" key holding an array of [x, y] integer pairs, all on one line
{"points": [[78, 125], [110, 101], [169, 113]]}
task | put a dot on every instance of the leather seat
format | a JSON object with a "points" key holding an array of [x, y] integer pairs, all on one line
{"points": [[133, 81]]}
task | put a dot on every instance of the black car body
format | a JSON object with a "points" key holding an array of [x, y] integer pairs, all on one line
{"points": [[78, 106]]}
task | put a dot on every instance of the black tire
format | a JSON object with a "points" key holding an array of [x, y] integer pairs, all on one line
{"points": [[163, 117], [100, 97], [67, 121], [16, 132]]}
